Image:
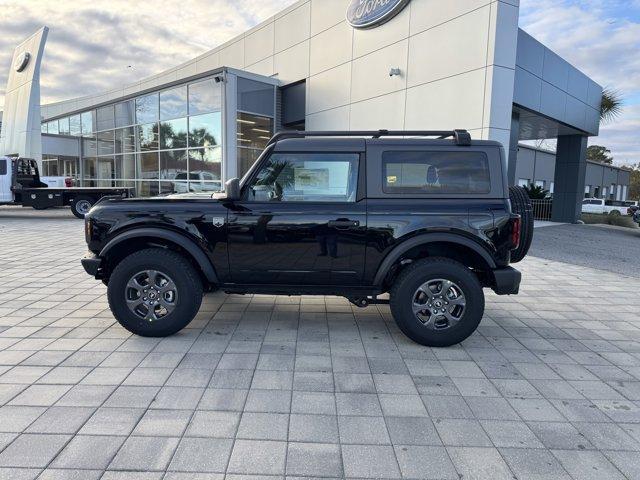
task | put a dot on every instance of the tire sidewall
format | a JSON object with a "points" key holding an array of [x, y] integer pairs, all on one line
{"points": [[74, 205], [188, 296], [403, 298]]}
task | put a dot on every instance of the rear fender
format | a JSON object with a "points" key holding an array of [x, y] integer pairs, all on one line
{"points": [[427, 238]]}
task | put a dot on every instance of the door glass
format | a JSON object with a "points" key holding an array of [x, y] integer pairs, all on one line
{"points": [[306, 177]]}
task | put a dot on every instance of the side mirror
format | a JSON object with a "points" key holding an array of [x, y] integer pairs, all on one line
{"points": [[232, 188]]}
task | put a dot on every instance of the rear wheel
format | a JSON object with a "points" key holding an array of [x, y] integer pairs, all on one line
{"points": [[437, 302], [521, 205], [81, 206], [154, 292]]}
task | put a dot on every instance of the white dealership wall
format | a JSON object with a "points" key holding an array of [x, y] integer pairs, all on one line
{"points": [[457, 61]]}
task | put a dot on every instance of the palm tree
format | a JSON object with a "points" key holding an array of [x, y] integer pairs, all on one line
{"points": [[537, 192], [611, 106]]}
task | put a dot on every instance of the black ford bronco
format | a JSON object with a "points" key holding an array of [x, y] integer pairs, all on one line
{"points": [[430, 221]]}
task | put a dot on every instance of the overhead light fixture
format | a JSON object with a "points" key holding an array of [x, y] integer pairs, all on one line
{"points": [[261, 130], [265, 138], [248, 122]]}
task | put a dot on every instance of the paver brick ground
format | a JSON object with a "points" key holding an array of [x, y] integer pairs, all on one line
{"points": [[548, 388]]}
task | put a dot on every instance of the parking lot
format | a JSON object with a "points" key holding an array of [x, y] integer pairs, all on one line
{"points": [[548, 388]]}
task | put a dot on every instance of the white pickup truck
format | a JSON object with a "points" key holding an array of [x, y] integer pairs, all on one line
{"points": [[602, 206]]}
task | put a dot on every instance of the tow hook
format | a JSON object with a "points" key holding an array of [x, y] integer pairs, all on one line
{"points": [[359, 302]]}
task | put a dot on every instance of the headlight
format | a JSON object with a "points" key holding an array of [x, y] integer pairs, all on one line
{"points": [[88, 229]]}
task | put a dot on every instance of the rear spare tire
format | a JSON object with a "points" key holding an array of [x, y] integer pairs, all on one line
{"points": [[437, 302], [521, 205], [154, 292]]}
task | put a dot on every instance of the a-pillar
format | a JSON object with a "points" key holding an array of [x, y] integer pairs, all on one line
{"points": [[571, 165]]}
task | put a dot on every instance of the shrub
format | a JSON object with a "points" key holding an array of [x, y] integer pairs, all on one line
{"points": [[623, 221], [605, 219]]}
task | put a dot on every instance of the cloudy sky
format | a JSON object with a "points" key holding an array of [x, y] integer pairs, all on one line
{"points": [[96, 44]]}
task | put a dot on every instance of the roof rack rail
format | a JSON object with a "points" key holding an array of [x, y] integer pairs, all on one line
{"points": [[461, 137]]}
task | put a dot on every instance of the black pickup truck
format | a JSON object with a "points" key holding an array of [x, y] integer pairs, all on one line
{"points": [[20, 184], [430, 221]]}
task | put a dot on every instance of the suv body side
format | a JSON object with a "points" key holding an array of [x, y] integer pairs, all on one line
{"points": [[274, 246]]}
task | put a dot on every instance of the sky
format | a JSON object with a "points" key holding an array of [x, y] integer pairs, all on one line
{"points": [[97, 45]]}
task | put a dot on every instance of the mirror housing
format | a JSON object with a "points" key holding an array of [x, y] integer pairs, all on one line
{"points": [[232, 188]]}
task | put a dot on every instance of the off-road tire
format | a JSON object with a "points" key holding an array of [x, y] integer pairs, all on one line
{"points": [[521, 205], [179, 269], [615, 213], [416, 274], [80, 201]]}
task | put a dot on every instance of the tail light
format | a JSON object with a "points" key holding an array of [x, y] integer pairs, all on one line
{"points": [[516, 229]]}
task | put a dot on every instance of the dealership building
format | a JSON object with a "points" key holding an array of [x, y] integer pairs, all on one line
{"points": [[317, 65]]}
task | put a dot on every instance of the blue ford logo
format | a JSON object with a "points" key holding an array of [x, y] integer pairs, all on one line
{"points": [[371, 13]]}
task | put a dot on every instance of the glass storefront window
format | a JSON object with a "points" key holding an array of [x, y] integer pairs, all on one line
{"points": [[256, 97], [254, 131], [125, 140], [148, 137], [89, 147], [74, 126], [52, 127], [173, 134], [43, 128], [173, 165], [106, 168], [105, 119], [125, 113], [149, 166], [125, 166], [105, 143], [147, 189], [63, 126], [147, 108], [204, 97], [204, 162], [173, 103], [246, 158], [205, 130], [87, 120], [90, 168]]}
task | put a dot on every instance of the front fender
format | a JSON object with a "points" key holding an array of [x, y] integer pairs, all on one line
{"points": [[183, 241], [406, 245]]}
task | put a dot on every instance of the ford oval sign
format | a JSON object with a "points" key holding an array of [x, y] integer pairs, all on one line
{"points": [[22, 61], [371, 13]]}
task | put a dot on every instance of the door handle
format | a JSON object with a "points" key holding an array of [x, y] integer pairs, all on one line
{"points": [[343, 224]]}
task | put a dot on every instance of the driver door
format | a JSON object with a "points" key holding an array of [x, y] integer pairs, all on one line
{"points": [[300, 222]]}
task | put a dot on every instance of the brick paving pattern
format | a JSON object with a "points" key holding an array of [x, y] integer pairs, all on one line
{"points": [[548, 388]]}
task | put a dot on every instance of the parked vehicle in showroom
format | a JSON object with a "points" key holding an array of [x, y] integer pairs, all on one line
{"points": [[356, 214], [20, 184], [602, 206]]}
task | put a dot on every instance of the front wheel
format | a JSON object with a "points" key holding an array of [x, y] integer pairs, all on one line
{"points": [[81, 206], [154, 292], [437, 302]]}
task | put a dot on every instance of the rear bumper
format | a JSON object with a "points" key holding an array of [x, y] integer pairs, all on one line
{"points": [[506, 281], [91, 263]]}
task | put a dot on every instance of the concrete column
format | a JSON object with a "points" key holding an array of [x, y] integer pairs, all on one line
{"points": [[513, 148], [571, 166]]}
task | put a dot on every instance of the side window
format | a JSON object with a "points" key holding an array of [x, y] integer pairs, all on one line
{"points": [[306, 177], [3, 167], [435, 172]]}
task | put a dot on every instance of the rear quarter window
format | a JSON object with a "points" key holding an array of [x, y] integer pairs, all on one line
{"points": [[430, 172], [3, 167]]}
